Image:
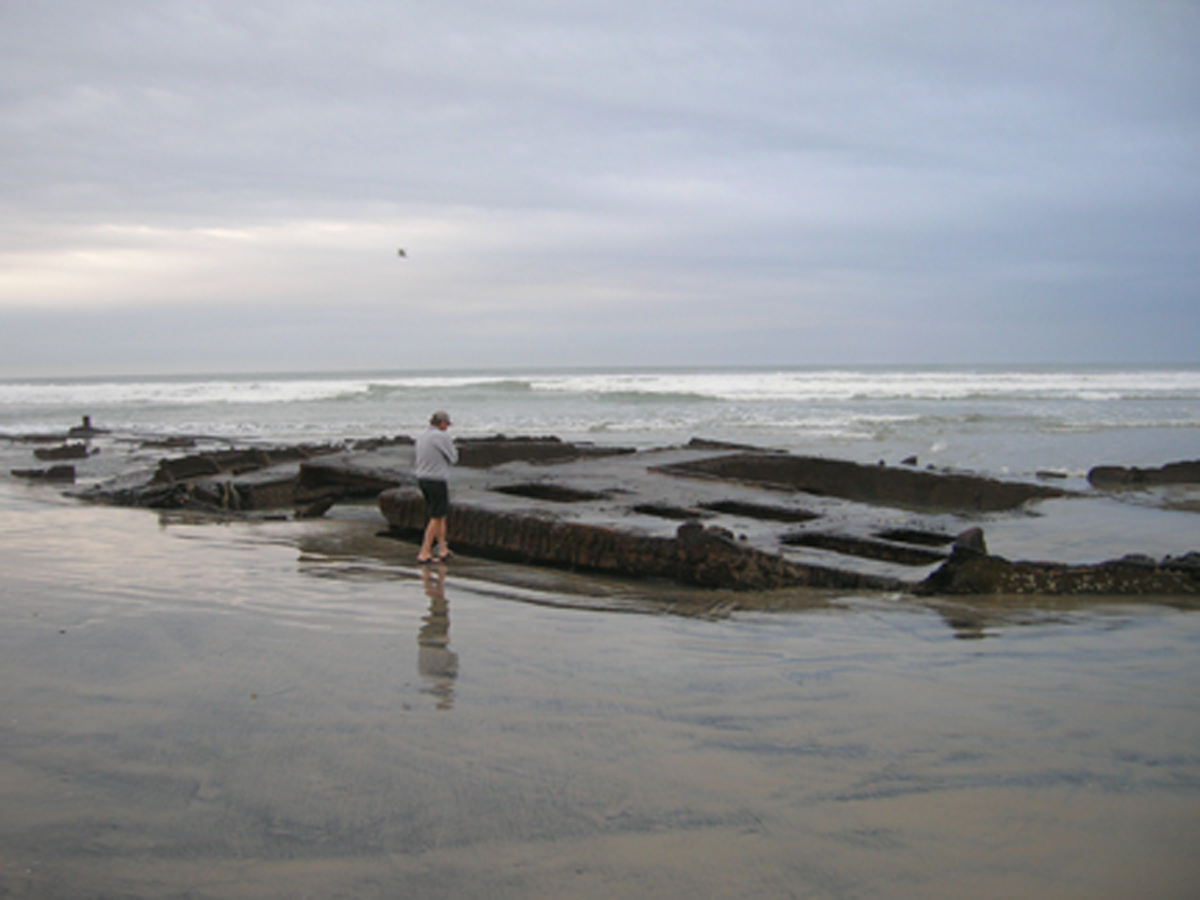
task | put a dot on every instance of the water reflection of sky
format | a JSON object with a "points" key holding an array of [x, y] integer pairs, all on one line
{"points": [[245, 702]]}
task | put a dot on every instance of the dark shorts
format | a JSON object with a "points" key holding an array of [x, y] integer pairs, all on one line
{"points": [[437, 498]]}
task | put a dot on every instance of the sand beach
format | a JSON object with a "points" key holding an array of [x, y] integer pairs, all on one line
{"points": [[289, 709]]}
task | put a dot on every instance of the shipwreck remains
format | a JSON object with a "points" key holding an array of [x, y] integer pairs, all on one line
{"points": [[971, 570], [693, 554], [1121, 477], [54, 473], [708, 514], [865, 484], [65, 451]]}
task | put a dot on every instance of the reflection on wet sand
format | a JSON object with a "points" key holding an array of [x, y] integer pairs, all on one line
{"points": [[436, 662], [196, 711]]}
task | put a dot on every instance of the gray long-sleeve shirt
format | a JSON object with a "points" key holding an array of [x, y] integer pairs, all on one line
{"points": [[436, 453]]}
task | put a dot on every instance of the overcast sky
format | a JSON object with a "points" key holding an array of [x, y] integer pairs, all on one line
{"points": [[223, 186]]}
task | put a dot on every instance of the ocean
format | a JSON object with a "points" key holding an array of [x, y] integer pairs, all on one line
{"points": [[215, 708], [1014, 420]]}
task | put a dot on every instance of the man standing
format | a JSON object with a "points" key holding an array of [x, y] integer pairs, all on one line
{"points": [[436, 453]]}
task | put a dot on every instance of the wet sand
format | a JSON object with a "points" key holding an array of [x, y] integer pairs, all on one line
{"points": [[289, 709]]}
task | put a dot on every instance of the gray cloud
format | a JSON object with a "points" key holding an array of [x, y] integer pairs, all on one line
{"points": [[598, 182]]}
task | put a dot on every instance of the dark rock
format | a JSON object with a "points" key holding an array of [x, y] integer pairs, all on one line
{"points": [[234, 480], [275, 487], [1179, 473], [667, 511], [170, 496], [348, 476], [547, 490], [760, 511], [534, 539], [1118, 477], [969, 543], [34, 438], [867, 484], [54, 473], [85, 429], [864, 547], [600, 513], [172, 470], [909, 461], [369, 444], [212, 463], [317, 509], [916, 536], [709, 557], [980, 574], [1109, 477], [1136, 560], [485, 453], [236, 461], [223, 495], [66, 451], [1189, 562]]}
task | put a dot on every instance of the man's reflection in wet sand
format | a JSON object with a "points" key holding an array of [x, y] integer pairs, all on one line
{"points": [[436, 662]]}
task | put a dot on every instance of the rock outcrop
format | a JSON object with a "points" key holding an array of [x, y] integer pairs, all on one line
{"points": [[706, 514], [65, 474], [232, 480], [709, 557], [1118, 477], [867, 484], [487, 452], [312, 477], [66, 451], [85, 429], [971, 570]]}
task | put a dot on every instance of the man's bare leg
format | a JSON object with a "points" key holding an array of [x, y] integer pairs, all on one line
{"points": [[435, 530], [443, 547]]}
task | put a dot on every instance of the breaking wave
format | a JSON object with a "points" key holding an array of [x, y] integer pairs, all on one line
{"points": [[804, 386]]}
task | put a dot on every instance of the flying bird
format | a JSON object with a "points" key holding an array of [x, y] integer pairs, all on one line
{"points": [[401, 252]]}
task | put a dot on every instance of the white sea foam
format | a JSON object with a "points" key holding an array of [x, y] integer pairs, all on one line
{"points": [[1063, 417], [819, 385], [729, 386], [187, 392]]}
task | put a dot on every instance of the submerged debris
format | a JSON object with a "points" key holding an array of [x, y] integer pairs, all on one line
{"points": [[54, 473], [866, 484], [1130, 575], [1117, 477], [706, 514]]}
